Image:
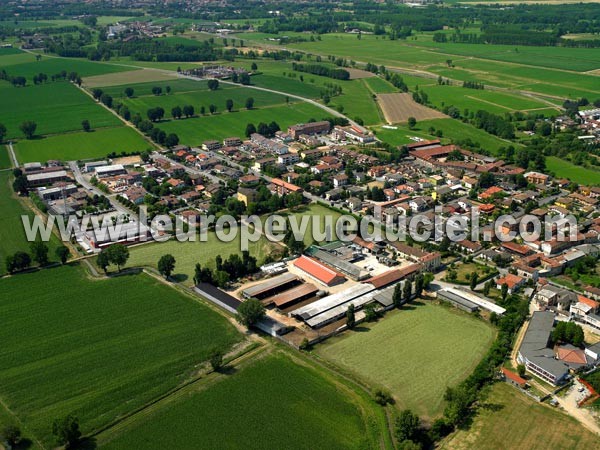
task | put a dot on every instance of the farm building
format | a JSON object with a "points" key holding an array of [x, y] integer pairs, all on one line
{"points": [[318, 272], [272, 286], [110, 171], [294, 295], [457, 300], [468, 298], [43, 178], [347, 268], [512, 378]]}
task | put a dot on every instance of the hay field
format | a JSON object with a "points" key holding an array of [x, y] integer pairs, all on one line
{"points": [[399, 107]]}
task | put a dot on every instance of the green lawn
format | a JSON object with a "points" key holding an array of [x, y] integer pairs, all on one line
{"points": [[177, 86], [274, 403], [54, 107], [415, 353], [513, 420], [577, 174], [97, 348], [81, 145], [187, 254], [51, 66], [320, 211], [12, 233]]}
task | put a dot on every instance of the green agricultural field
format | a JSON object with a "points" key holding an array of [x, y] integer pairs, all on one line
{"points": [[273, 403], [12, 233], [577, 174], [55, 107], [51, 66], [196, 130], [5, 161], [379, 86], [97, 348], [320, 211], [513, 420], [204, 97], [81, 145], [415, 353], [475, 99], [187, 254], [177, 86], [453, 131]]}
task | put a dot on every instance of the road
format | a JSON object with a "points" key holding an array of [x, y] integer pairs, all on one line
{"points": [[13, 156]]}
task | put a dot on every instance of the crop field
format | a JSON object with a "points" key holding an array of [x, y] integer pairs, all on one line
{"points": [[97, 348], [204, 97], [399, 107], [577, 174], [81, 145], [195, 130], [379, 86], [51, 66], [54, 107], [475, 99], [12, 233], [187, 254], [144, 89], [513, 420], [119, 78], [415, 353], [273, 403]]}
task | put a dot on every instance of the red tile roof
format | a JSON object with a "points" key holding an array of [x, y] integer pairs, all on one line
{"points": [[513, 376], [317, 270]]}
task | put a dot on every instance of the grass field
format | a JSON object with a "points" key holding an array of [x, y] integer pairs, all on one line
{"points": [[273, 403], [187, 254], [513, 420], [54, 107], [5, 162], [415, 353], [577, 174], [316, 210], [97, 348], [12, 234], [51, 66], [81, 145], [196, 130], [118, 78]]}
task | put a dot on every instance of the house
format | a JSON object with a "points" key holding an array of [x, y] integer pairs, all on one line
{"points": [[512, 378], [310, 128], [211, 146], [536, 178], [340, 180], [354, 203], [318, 272], [232, 142], [418, 204], [246, 195], [513, 282]]}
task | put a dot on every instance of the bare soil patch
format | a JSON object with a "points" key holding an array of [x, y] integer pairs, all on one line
{"points": [[399, 107], [357, 74]]}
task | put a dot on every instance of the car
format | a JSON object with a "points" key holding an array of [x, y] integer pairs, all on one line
{"points": [[581, 389]]}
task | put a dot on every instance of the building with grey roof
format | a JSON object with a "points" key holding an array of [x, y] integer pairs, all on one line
{"points": [[535, 352]]}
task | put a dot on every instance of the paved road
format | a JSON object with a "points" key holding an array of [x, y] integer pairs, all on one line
{"points": [[13, 156]]}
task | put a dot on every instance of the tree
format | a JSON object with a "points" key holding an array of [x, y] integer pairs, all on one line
{"points": [[28, 128], [11, 434], [407, 426], [419, 284], [166, 265], [176, 112], [62, 253], [412, 122], [213, 85], [97, 93], [18, 261], [2, 132], [129, 92], [67, 431], [106, 100], [197, 274], [202, 110], [221, 278], [39, 252], [249, 103], [250, 129], [103, 260], [521, 370], [474, 281], [21, 185], [188, 111], [168, 89], [172, 140], [118, 254], [85, 124], [504, 291], [397, 296], [407, 291], [350, 317], [212, 108], [216, 360], [157, 90], [250, 311], [486, 288], [229, 104], [254, 67]]}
